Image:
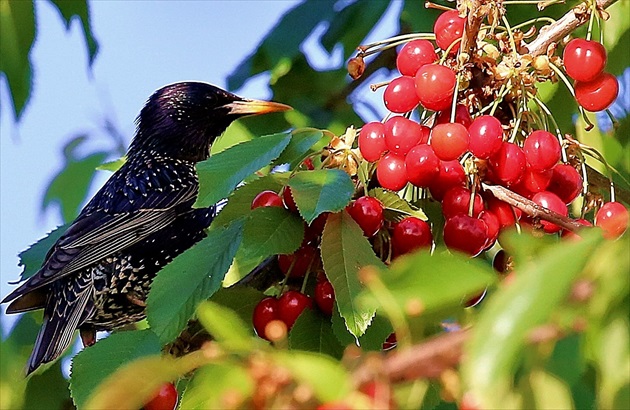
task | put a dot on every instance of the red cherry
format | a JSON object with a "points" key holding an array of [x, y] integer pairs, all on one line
{"points": [[466, 234], [462, 116], [597, 94], [335, 405], [305, 257], [372, 141], [486, 136], [493, 224], [475, 300], [410, 234], [313, 231], [400, 95], [508, 164], [504, 212], [422, 165], [435, 85], [380, 394], [265, 311], [584, 59], [565, 182], [401, 134], [390, 343], [457, 200], [267, 198], [391, 173], [612, 217], [287, 199], [367, 212], [449, 141], [448, 28], [164, 399], [414, 55], [451, 174], [291, 305], [325, 296], [552, 202], [542, 150], [534, 181], [576, 236]]}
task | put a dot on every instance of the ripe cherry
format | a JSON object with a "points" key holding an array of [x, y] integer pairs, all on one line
{"points": [[451, 174], [390, 343], [475, 300], [367, 212], [486, 136], [297, 264], [422, 165], [380, 394], [313, 231], [164, 399], [448, 27], [565, 182], [457, 201], [612, 217], [552, 202], [401, 134], [372, 141], [400, 95], [493, 224], [466, 234], [584, 59], [597, 94], [391, 173], [410, 234], [449, 141], [508, 164], [462, 116], [287, 199], [267, 198], [533, 181], [435, 85], [265, 311], [576, 236], [325, 296], [414, 55], [504, 212], [542, 150], [291, 304]]}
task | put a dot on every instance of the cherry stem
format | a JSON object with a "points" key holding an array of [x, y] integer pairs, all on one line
{"points": [[376, 86], [455, 95], [510, 35], [500, 95], [533, 21], [430, 5], [555, 123]]}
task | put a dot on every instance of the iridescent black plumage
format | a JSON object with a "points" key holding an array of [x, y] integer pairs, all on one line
{"points": [[98, 274]]}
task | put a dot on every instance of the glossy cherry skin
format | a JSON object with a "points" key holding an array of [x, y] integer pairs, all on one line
{"points": [[390, 343], [542, 150], [493, 224], [291, 304], [287, 199], [508, 164], [457, 201], [584, 59], [466, 234], [372, 141], [422, 165], [400, 95], [401, 134], [533, 182], [612, 217], [391, 173], [305, 257], [597, 94], [267, 198], [448, 27], [449, 141], [265, 311], [410, 234], [451, 174], [414, 55], [486, 136], [504, 212], [325, 296], [462, 116], [435, 85], [566, 182], [552, 202], [367, 212], [165, 399]]}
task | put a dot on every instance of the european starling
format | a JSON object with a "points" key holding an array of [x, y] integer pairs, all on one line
{"points": [[98, 274]]}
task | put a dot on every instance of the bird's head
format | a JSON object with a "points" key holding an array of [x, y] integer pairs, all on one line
{"points": [[182, 120]]}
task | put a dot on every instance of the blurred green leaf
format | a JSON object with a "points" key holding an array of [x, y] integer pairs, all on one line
{"points": [[268, 231], [312, 332], [69, 9], [301, 142], [212, 384], [344, 252], [92, 366], [549, 391], [190, 278], [395, 207], [225, 326], [112, 166], [33, 257], [323, 190], [221, 173], [613, 359], [48, 390], [241, 299]]}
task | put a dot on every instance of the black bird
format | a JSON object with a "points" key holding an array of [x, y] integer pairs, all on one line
{"points": [[98, 274]]}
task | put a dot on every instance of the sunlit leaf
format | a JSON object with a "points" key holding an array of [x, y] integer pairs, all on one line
{"points": [[395, 207], [324, 190], [217, 384], [112, 166], [550, 392], [225, 326], [301, 142]]}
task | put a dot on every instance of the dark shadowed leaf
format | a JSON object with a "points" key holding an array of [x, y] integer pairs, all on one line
{"points": [[301, 142], [312, 332], [324, 190], [241, 299]]}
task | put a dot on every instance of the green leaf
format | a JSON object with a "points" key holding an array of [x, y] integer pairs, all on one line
{"points": [[112, 166], [235, 134], [313, 332], [221, 173], [69, 9], [17, 34], [92, 366], [213, 383], [324, 375], [344, 251], [499, 336], [240, 299], [189, 279], [550, 392], [33, 257], [301, 142], [225, 326], [371, 340], [47, 390], [268, 231], [323, 190], [395, 207]]}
